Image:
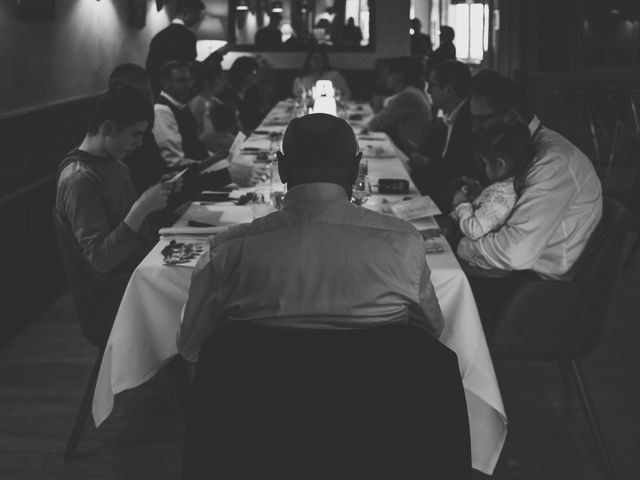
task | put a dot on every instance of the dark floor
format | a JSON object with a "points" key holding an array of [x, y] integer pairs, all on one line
{"points": [[43, 371]]}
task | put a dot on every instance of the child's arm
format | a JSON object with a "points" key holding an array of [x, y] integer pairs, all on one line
{"points": [[488, 211]]}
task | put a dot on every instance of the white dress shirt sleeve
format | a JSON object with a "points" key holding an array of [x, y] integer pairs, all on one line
{"points": [[168, 138], [550, 190]]}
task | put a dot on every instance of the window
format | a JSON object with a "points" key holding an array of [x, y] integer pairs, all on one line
{"points": [[470, 20]]}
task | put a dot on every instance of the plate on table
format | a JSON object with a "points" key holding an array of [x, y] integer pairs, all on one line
{"points": [[184, 252]]}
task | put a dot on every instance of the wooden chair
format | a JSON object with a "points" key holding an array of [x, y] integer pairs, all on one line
{"points": [[377, 403], [561, 321]]}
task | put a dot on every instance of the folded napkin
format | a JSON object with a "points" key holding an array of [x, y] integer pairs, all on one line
{"points": [[186, 230]]}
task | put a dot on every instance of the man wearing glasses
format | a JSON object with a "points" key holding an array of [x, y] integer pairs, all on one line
{"points": [[447, 155], [559, 208]]}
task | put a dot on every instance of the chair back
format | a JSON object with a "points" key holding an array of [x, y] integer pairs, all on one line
{"points": [[597, 269], [563, 320], [96, 296], [378, 403]]}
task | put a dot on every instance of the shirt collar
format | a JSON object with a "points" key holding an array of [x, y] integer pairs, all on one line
{"points": [[314, 193], [172, 100], [534, 125], [449, 118], [178, 21]]}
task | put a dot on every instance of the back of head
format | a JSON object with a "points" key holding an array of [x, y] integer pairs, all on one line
{"points": [[166, 69], [241, 68], [184, 7], [409, 67], [503, 94], [207, 72], [319, 147], [456, 74], [124, 107], [224, 117], [447, 33]]}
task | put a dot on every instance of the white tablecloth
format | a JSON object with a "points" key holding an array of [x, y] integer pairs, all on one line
{"points": [[143, 337]]}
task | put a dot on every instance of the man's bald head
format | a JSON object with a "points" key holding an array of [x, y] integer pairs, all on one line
{"points": [[319, 148]]}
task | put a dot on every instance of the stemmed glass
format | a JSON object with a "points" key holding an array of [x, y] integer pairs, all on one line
{"points": [[362, 187]]}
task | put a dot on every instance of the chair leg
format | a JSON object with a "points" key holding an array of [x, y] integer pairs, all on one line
{"points": [[592, 419], [85, 409], [565, 374]]}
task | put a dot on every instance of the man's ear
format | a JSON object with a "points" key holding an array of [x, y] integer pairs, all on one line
{"points": [[109, 128], [355, 166], [511, 117], [282, 167], [502, 164]]}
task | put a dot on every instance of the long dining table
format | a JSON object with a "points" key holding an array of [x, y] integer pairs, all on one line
{"points": [[143, 337]]}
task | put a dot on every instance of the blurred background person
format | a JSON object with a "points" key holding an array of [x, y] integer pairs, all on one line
{"points": [[210, 82], [270, 36], [420, 42], [242, 92], [406, 116], [316, 67], [224, 118], [446, 50]]}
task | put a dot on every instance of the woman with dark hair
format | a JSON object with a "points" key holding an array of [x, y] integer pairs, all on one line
{"points": [[243, 93], [406, 115], [316, 67]]}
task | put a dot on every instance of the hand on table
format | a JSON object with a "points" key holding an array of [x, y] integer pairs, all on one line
{"points": [[247, 175]]}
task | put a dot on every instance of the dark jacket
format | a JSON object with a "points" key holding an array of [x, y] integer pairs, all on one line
{"points": [[440, 179]]}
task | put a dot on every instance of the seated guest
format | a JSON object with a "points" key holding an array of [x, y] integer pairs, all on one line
{"points": [[225, 127], [243, 93], [447, 154], [320, 262], [96, 200], [175, 132], [316, 67], [505, 151], [406, 116], [559, 206], [270, 36], [210, 82]]}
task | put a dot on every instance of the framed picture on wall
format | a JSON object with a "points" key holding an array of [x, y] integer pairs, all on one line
{"points": [[35, 9]]}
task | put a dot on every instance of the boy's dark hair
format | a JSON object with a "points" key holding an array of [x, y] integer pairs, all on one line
{"points": [[307, 59], [511, 142], [125, 107], [224, 117], [502, 94], [126, 75], [456, 74]]}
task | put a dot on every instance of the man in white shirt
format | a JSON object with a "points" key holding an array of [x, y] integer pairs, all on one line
{"points": [[175, 131], [560, 205], [321, 262]]}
